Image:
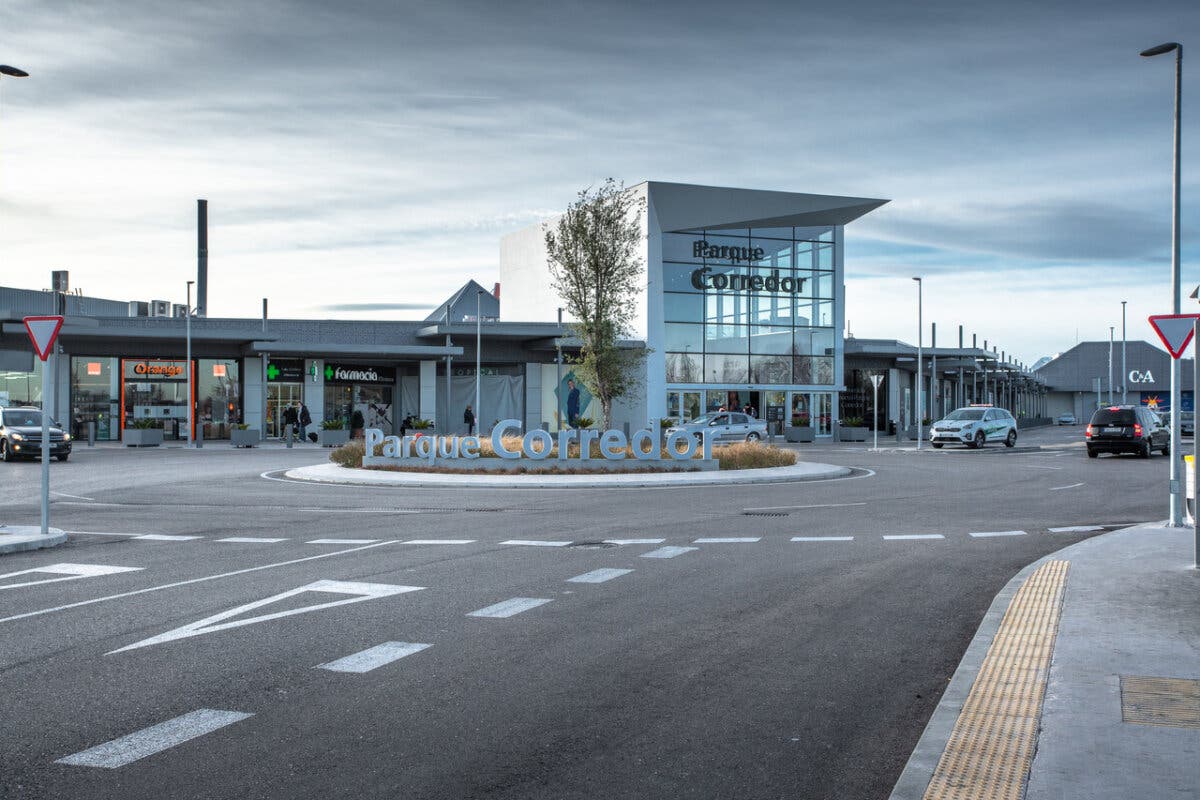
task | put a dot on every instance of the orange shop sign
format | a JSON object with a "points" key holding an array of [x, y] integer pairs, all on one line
{"points": [[153, 369]]}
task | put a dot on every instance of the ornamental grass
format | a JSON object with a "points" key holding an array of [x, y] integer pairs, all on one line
{"points": [[739, 455]]}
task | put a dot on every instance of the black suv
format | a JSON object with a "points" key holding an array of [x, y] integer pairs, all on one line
{"points": [[21, 435], [1126, 429]]}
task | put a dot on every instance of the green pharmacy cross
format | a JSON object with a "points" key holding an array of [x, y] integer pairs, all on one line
{"points": [[328, 372], [272, 372]]}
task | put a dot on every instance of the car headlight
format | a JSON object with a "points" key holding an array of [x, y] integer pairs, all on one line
{"points": [[66, 437], [16, 437]]}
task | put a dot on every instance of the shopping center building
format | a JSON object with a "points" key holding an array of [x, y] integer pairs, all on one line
{"points": [[742, 303]]}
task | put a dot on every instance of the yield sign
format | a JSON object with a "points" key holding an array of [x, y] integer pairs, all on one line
{"points": [[1175, 330], [42, 332]]}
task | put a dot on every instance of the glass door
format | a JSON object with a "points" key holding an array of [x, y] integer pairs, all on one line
{"points": [[823, 413], [279, 397]]}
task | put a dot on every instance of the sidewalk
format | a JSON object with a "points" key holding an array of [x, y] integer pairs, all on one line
{"points": [[1120, 714]]}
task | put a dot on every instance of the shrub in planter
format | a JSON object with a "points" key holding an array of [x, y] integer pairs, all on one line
{"points": [[144, 433], [243, 435], [333, 433]]}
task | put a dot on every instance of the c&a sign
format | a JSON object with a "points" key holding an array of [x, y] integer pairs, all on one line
{"points": [[1138, 376]]}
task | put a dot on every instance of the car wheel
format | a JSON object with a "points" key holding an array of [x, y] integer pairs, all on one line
{"points": [[4, 454], [1011, 441], [936, 445], [1145, 451], [63, 458], [1166, 451], [980, 439], [752, 436], [1092, 454]]}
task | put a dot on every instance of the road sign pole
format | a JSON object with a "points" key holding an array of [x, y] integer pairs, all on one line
{"points": [[46, 367], [1175, 331], [1195, 448]]}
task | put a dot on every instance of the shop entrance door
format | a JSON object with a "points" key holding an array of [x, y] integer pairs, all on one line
{"points": [[279, 397]]}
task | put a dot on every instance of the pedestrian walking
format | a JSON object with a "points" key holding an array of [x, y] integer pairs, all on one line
{"points": [[305, 419], [405, 424], [469, 418], [290, 417]]}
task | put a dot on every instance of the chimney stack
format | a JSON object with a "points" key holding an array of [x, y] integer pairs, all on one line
{"points": [[201, 258]]}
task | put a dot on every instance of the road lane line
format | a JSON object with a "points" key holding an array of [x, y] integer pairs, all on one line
{"points": [[164, 537], [188, 582], [1039, 466], [912, 536], [800, 508], [634, 541], [341, 541], [252, 539], [1077, 529], [663, 552], [72, 572], [599, 575], [987, 534], [509, 608], [729, 540], [154, 739], [373, 657], [74, 496], [1058, 488], [439, 541], [535, 543], [822, 538]]}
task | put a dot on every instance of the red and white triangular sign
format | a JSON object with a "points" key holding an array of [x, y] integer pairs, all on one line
{"points": [[42, 332], [1175, 330]]}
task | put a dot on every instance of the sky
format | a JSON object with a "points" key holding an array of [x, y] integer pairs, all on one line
{"points": [[370, 155]]}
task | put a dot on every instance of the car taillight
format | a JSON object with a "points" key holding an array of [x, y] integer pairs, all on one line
{"points": [[1137, 431], [1088, 433]]}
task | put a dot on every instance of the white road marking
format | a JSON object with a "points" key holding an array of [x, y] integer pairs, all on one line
{"points": [[71, 571], [986, 534], [599, 575], [662, 552], [439, 541], [1039, 466], [163, 537], [1072, 486], [74, 496], [800, 508], [509, 608], [188, 582], [911, 536], [535, 543], [358, 592], [252, 539], [154, 739], [822, 538], [1077, 529], [341, 541], [100, 533], [374, 657], [359, 510], [634, 541], [729, 540]]}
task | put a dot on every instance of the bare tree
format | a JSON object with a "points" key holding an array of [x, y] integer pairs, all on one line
{"points": [[596, 266]]}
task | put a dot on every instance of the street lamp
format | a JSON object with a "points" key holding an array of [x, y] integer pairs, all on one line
{"points": [[920, 325], [1176, 488], [478, 344], [188, 365], [1110, 351]]}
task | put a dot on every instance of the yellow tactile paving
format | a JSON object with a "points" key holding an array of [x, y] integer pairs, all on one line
{"points": [[988, 755]]}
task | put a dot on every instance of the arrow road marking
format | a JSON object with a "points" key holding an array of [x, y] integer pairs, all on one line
{"points": [[72, 572], [358, 592], [154, 739], [374, 657]]}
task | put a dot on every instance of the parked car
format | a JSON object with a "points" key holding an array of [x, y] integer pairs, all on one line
{"points": [[974, 426], [1067, 419], [725, 426], [1187, 423], [1126, 429], [21, 435]]}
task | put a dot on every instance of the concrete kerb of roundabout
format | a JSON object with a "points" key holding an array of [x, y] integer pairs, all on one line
{"points": [[335, 474]]}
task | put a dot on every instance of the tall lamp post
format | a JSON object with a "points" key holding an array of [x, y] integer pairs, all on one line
{"points": [[920, 325], [191, 406], [1176, 487], [478, 344], [1124, 369], [1110, 351], [558, 392]]}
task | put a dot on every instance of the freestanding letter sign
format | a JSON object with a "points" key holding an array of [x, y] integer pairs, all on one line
{"points": [[43, 331]]}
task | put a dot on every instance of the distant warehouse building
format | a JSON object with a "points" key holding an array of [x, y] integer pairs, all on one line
{"points": [[1079, 380]]}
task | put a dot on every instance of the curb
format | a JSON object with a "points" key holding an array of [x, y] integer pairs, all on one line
{"points": [[807, 471], [28, 537], [918, 771]]}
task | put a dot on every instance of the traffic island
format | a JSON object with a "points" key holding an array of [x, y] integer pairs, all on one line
{"points": [[18, 538]]}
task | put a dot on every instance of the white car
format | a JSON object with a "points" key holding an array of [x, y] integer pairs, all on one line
{"points": [[974, 426]]}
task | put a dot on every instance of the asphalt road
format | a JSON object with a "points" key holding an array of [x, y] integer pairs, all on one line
{"points": [[760, 668]]}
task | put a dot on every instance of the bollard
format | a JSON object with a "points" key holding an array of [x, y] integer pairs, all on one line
{"points": [[287, 435], [91, 433], [198, 439]]}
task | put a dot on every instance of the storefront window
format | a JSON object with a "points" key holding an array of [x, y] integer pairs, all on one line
{"points": [[95, 397], [155, 389], [218, 397], [22, 388]]}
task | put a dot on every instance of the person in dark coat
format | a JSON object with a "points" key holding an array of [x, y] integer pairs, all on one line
{"points": [[572, 403], [305, 419], [290, 417], [405, 424], [469, 418]]}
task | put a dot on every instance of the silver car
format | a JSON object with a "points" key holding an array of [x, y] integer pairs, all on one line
{"points": [[725, 426]]}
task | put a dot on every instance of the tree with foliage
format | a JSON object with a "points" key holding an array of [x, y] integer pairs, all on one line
{"points": [[594, 252]]}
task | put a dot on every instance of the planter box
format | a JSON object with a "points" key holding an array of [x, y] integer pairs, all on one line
{"points": [[807, 434], [853, 434], [247, 438], [142, 437], [333, 438]]}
